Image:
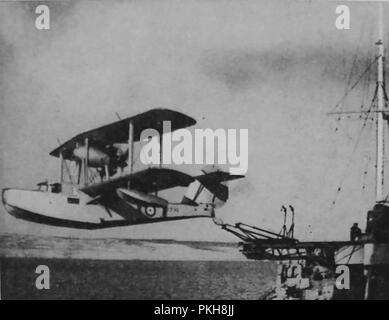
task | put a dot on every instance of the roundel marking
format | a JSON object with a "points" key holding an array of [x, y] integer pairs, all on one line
{"points": [[150, 211]]}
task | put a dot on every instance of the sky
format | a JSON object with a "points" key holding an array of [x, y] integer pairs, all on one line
{"points": [[274, 67]]}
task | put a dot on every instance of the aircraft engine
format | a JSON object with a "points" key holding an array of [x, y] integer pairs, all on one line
{"points": [[97, 158]]}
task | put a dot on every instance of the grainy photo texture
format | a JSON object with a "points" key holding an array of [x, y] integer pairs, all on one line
{"points": [[194, 150]]}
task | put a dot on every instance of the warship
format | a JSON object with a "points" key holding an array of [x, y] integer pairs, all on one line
{"points": [[326, 270]]}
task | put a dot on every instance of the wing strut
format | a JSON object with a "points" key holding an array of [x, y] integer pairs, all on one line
{"points": [[160, 153], [106, 172], [160, 149], [86, 162], [63, 163], [61, 168], [130, 148]]}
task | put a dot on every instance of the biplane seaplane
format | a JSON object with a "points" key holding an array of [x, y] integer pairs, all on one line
{"points": [[98, 187]]}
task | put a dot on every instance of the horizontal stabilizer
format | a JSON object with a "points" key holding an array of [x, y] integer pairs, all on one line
{"points": [[217, 177], [209, 187]]}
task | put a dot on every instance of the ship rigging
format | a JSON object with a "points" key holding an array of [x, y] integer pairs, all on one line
{"points": [[367, 256]]}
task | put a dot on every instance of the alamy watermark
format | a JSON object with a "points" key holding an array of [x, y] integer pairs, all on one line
{"points": [[204, 146]]}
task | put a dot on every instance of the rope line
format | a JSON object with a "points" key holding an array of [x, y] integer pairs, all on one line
{"points": [[353, 150], [355, 84]]}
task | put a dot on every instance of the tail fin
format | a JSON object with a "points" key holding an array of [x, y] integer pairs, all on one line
{"points": [[210, 187]]}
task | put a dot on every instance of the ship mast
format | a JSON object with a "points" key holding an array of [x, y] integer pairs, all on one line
{"points": [[380, 110]]}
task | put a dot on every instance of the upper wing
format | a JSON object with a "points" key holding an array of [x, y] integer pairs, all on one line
{"points": [[149, 180], [117, 132]]}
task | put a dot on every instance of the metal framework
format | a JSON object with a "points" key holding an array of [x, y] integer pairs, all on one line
{"points": [[262, 244]]}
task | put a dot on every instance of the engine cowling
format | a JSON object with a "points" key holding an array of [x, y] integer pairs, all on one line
{"points": [[96, 157]]}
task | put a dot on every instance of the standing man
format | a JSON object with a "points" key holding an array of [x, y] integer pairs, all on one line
{"points": [[355, 232]]}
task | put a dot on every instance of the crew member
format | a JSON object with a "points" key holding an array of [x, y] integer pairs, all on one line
{"points": [[355, 232]]}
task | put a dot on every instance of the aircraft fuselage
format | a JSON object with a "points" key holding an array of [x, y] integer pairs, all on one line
{"points": [[80, 212]]}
